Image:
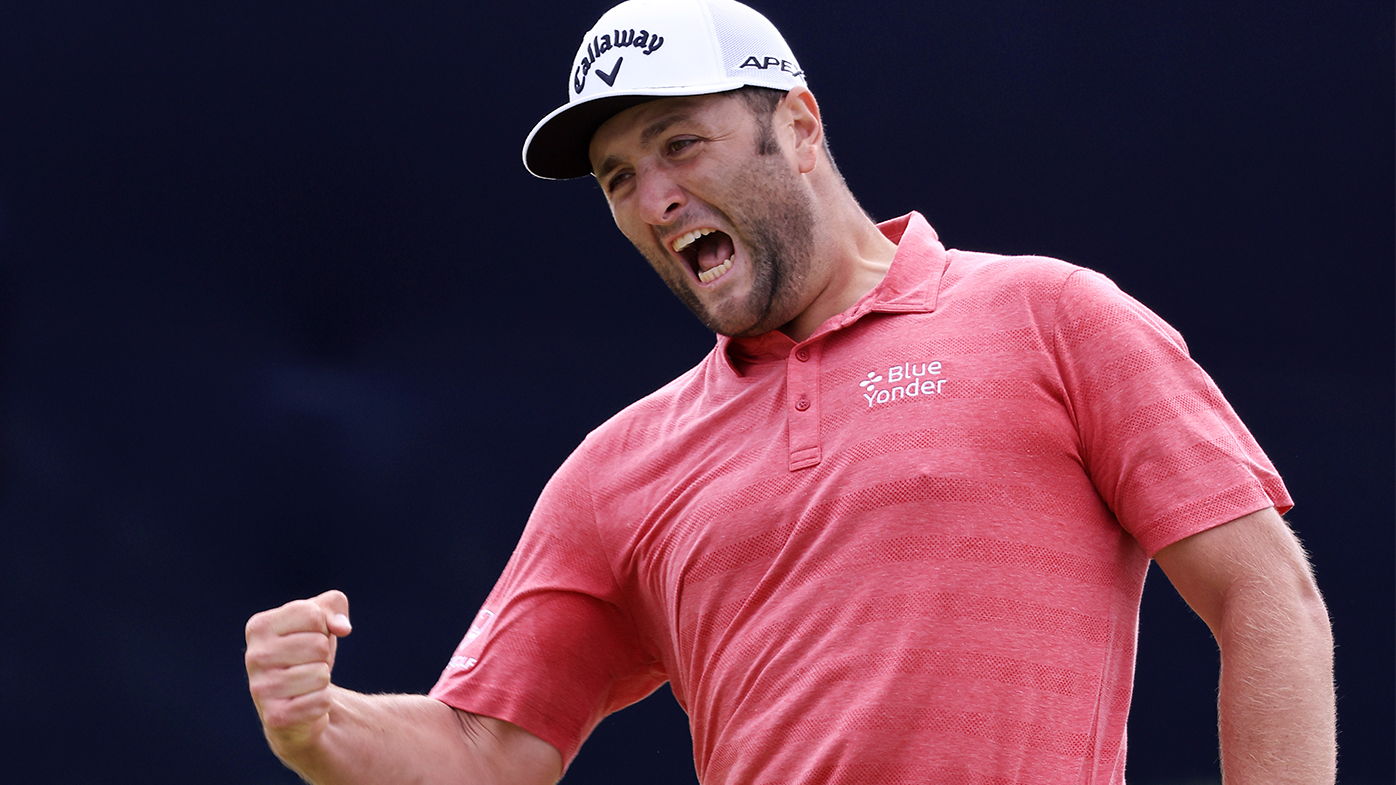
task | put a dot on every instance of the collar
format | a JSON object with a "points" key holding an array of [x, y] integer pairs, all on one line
{"points": [[912, 285]]}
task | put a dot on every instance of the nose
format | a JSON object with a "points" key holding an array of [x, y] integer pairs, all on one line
{"points": [[661, 198]]}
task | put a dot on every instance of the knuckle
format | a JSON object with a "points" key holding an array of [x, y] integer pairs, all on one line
{"points": [[256, 626], [279, 715], [334, 597], [300, 608], [258, 658], [292, 712], [260, 688], [320, 677]]}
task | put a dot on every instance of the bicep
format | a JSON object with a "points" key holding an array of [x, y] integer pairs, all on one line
{"points": [[514, 755], [1255, 555]]}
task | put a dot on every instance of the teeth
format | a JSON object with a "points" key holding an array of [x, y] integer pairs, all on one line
{"points": [[687, 240], [708, 276]]}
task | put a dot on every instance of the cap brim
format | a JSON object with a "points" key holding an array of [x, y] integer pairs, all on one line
{"points": [[559, 146]]}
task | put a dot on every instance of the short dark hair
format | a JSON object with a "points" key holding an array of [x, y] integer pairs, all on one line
{"points": [[762, 103]]}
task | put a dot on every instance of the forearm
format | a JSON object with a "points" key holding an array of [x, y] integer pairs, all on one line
{"points": [[1276, 702], [1250, 582], [415, 739]]}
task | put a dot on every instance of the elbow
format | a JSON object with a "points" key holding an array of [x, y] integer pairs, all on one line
{"points": [[1277, 612]]}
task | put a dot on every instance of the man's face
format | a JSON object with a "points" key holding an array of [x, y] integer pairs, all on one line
{"points": [[715, 205]]}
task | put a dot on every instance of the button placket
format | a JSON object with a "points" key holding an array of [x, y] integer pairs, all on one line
{"points": [[802, 413]]}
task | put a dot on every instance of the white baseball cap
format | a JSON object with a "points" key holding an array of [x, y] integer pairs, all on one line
{"points": [[647, 49]]}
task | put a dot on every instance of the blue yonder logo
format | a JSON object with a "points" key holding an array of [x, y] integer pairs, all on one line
{"points": [[903, 382]]}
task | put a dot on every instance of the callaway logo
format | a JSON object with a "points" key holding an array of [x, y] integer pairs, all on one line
{"points": [[908, 380], [601, 44], [610, 79]]}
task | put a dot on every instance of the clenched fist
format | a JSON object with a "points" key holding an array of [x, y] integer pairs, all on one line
{"points": [[290, 653]]}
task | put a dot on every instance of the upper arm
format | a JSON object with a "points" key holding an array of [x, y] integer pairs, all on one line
{"points": [[1254, 556], [513, 755], [1159, 441]]}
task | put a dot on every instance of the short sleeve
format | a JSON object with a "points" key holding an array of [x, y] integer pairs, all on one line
{"points": [[1160, 442], [553, 650]]}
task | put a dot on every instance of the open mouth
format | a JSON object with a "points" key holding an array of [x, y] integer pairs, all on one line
{"points": [[708, 251]]}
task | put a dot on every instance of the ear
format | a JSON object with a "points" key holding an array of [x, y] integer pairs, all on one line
{"points": [[801, 115]]}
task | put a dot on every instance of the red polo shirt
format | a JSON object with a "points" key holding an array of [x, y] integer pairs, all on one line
{"points": [[908, 549]]}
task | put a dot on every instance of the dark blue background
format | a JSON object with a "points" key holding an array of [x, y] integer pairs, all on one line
{"points": [[282, 311]]}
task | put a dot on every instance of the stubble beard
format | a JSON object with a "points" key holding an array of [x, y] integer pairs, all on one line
{"points": [[776, 224]]}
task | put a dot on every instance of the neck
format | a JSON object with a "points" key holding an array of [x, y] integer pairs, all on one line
{"points": [[854, 256]]}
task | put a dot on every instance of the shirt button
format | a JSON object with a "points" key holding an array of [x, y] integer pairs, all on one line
{"points": [[802, 354], [802, 404]]}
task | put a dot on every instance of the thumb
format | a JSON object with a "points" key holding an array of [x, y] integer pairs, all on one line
{"points": [[336, 606]]}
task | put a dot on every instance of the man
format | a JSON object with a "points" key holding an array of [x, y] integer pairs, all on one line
{"points": [[892, 529]]}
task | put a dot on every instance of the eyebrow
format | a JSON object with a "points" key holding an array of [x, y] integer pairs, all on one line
{"points": [[646, 136]]}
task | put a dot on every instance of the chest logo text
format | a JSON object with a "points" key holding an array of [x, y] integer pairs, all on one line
{"points": [[908, 380]]}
